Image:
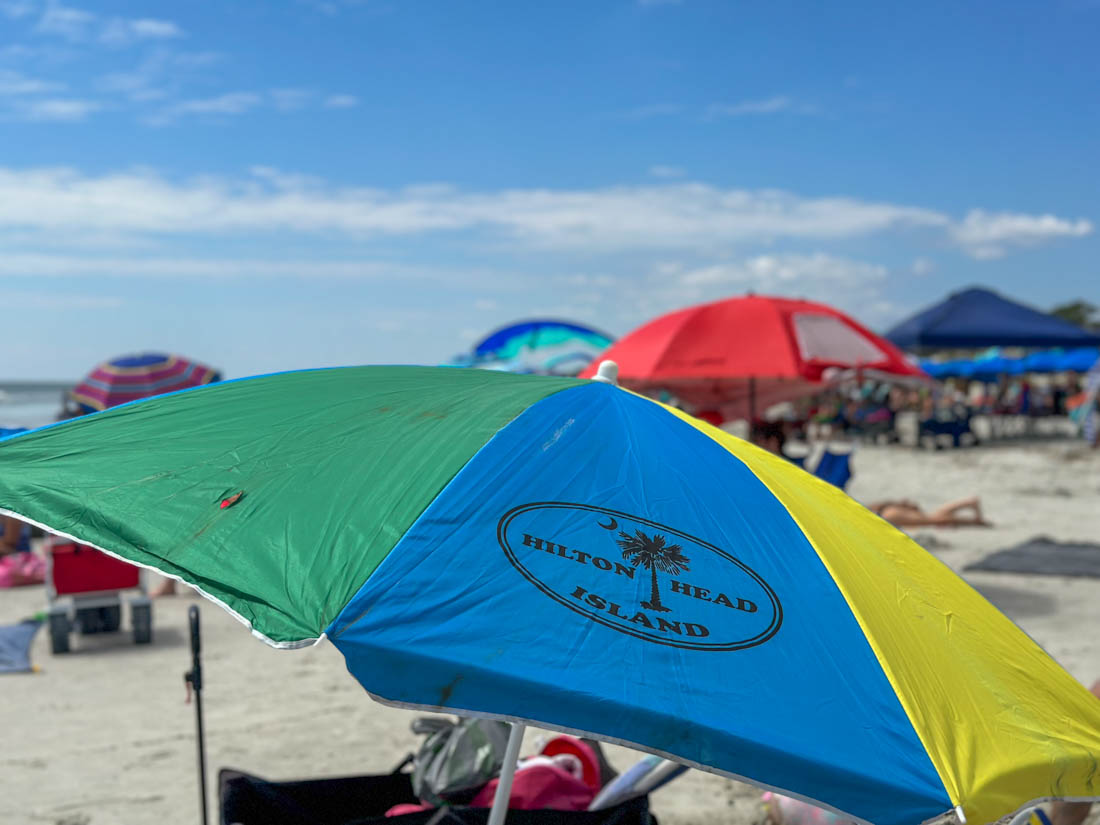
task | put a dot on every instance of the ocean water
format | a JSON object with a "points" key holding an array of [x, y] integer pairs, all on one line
{"points": [[30, 404]]}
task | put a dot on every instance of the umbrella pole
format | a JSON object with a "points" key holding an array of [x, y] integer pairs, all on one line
{"points": [[193, 679], [507, 771], [752, 407]]}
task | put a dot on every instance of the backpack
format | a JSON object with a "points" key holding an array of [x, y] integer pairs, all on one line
{"points": [[457, 758]]}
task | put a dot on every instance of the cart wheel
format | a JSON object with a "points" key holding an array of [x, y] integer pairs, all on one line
{"points": [[59, 633], [88, 620], [110, 618], [141, 617]]}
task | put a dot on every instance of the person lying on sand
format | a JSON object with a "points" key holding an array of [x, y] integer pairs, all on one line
{"points": [[966, 512]]}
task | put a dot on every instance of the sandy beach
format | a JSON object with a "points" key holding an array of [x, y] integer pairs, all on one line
{"points": [[102, 736]]}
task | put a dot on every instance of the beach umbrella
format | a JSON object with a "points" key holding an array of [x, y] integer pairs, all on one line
{"points": [[538, 347], [948, 369], [1081, 359], [740, 355], [566, 553], [131, 377], [1043, 361], [990, 369]]}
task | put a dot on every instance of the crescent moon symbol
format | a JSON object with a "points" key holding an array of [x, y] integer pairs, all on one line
{"points": [[612, 526]]}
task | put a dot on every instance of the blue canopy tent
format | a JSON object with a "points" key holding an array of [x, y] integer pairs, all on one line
{"points": [[979, 317]]}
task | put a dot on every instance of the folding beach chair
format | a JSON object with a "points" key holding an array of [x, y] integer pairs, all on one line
{"points": [[364, 800], [830, 462], [835, 467]]}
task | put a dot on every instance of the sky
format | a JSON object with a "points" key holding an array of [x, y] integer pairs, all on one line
{"points": [[277, 185]]}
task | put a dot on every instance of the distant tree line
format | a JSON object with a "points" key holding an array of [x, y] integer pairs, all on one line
{"points": [[1081, 313]]}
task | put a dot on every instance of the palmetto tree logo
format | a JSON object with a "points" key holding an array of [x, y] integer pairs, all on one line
{"points": [[651, 553]]}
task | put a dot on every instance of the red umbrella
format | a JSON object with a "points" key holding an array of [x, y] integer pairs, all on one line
{"points": [[742, 354]]}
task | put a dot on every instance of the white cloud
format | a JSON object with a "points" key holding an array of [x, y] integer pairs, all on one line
{"points": [[644, 217], [17, 51], [231, 103], [922, 266], [16, 9], [290, 100], [341, 101], [14, 83], [986, 235], [78, 25], [849, 284], [68, 22], [780, 271], [137, 86], [160, 72], [651, 110], [48, 265], [770, 106], [122, 32], [333, 7], [67, 110], [704, 219], [666, 171], [29, 299], [285, 180]]}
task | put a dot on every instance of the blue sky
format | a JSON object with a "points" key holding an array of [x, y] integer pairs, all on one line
{"points": [[270, 185]]}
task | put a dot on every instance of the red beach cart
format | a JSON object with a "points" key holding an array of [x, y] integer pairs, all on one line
{"points": [[85, 589]]}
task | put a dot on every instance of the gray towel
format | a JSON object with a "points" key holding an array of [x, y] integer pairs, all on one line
{"points": [[1044, 556]]}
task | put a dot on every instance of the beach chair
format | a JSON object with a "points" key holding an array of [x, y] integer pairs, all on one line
{"points": [[835, 467], [830, 462], [957, 426], [363, 800], [84, 590]]}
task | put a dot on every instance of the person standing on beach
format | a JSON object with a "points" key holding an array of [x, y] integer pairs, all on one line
{"points": [[15, 536]]}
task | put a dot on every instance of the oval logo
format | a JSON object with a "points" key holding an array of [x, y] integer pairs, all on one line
{"points": [[645, 579]]}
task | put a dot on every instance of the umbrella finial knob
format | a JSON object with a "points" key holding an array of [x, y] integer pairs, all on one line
{"points": [[608, 372]]}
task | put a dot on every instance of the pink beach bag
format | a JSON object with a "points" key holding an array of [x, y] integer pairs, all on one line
{"points": [[782, 810], [18, 569]]}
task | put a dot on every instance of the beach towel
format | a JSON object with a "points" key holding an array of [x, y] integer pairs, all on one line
{"points": [[1044, 556], [540, 784], [15, 646]]}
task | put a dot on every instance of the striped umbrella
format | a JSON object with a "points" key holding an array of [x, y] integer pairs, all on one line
{"points": [[541, 347], [568, 553], [132, 377]]}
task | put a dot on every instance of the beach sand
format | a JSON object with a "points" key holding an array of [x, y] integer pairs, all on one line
{"points": [[102, 736]]}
